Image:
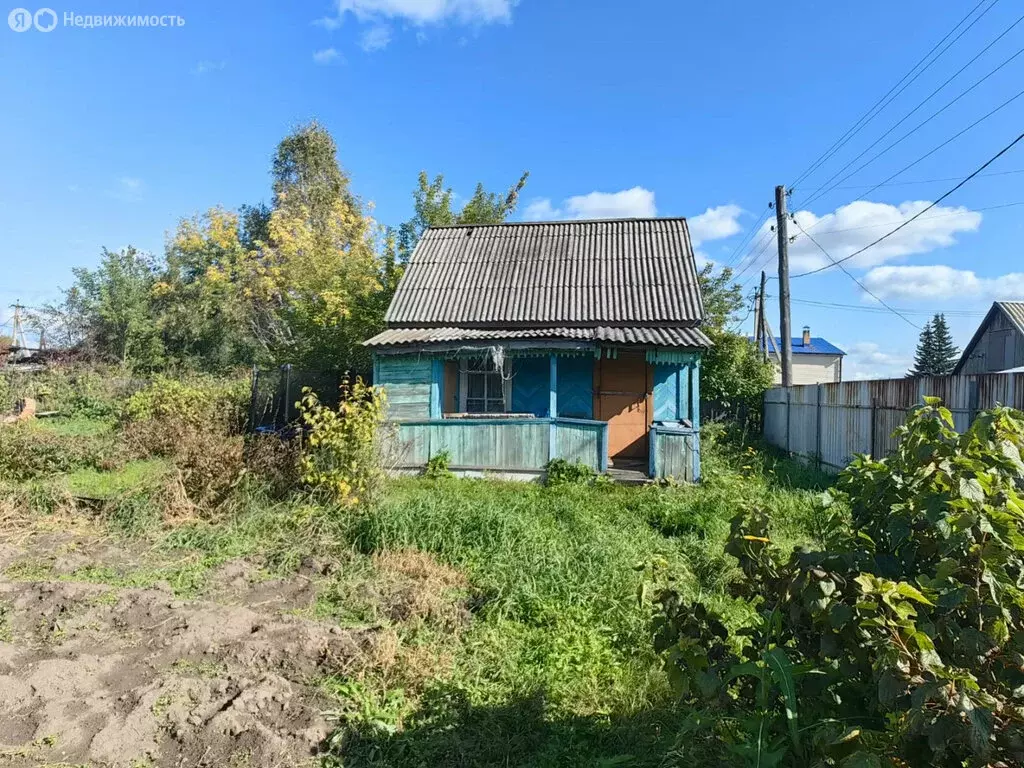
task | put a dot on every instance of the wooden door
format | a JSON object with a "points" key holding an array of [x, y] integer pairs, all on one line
{"points": [[622, 401]]}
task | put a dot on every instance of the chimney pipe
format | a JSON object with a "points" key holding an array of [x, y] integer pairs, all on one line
{"points": [[807, 336]]}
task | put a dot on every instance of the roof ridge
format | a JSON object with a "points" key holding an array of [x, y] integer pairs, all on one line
{"points": [[560, 221]]}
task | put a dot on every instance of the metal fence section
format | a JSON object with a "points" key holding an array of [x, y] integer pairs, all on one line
{"points": [[829, 423], [275, 392]]}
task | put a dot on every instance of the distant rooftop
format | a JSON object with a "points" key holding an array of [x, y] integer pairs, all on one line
{"points": [[818, 346]]}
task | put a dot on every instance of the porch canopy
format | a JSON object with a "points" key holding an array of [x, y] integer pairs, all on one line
{"points": [[592, 321]]}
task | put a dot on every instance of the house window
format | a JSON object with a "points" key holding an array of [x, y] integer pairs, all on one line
{"points": [[482, 386]]}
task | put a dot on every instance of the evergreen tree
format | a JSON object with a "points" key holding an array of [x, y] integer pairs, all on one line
{"points": [[936, 354], [946, 354], [924, 357]]}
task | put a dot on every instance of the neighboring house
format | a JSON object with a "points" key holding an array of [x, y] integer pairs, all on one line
{"points": [[998, 344], [815, 361], [510, 345]]}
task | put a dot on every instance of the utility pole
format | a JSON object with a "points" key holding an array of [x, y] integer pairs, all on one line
{"points": [[757, 320], [784, 329], [762, 321], [16, 329]]}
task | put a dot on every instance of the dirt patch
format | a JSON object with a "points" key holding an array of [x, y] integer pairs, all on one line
{"points": [[120, 677], [413, 585]]}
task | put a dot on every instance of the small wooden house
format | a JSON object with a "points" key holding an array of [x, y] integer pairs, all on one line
{"points": [[998, 344], [513, 344]]}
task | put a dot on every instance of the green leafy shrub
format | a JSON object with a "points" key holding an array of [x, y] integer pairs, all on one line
{"points": [[341, 452], [904, 640], [563, 472], [28, 452], [438, 466], [155, 417]]}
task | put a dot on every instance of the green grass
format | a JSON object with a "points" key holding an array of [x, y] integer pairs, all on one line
{"points": [[557, 667], [74, 426], [134, 476]]}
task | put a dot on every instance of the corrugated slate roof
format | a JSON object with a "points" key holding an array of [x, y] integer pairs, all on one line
{"points": [[565, 273], [818, 346], [661, 337], [1015, 311]]}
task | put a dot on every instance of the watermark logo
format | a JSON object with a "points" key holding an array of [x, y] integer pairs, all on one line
{"points": [[45, 20], [20, 20]]}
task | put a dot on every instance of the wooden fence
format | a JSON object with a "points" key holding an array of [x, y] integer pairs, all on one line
{"points": [[829, 423]]}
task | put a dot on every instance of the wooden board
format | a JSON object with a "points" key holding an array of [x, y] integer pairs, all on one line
{"points": [[623, 401]]}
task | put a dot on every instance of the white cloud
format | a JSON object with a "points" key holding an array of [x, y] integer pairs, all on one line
{"points": [[130, 183], [203, 67], [327, 56], [714, 224], [427, 11], [375, 38], [126, 189], [851, 227], [867, 360], [629, 203], [941, 282]]}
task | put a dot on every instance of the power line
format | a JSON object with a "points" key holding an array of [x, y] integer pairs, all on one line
{"points": [[875, 109], [928, 181], [822, 190], [925, 218], [747, 237], [918, 215], [765, 241], [881, 310], [849, 274]]}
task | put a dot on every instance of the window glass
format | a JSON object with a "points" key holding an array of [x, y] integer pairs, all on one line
{"points": [[485, 392]]}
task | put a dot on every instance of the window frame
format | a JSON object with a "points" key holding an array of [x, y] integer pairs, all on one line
{"points": [[492, 378]]}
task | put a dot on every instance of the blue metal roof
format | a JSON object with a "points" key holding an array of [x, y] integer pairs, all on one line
{"points": [[818, 346]]}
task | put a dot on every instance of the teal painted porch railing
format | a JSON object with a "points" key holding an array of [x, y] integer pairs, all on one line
{"points": [[674, 452], [501, 444]]}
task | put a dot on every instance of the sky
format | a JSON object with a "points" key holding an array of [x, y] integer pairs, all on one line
{"points": [[114, 133]]}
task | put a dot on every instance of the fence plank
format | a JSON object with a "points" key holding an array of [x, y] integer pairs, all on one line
{"points": [[830, 423]]}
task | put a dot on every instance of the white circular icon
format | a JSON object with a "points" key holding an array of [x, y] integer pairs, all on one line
{"points": [[20, 20], [45, 19]]}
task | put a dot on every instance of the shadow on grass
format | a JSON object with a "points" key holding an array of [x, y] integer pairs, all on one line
{"points": [[449, 731]]}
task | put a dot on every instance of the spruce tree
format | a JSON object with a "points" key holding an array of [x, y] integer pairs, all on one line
{"points": [[945, 352], [924, 357]]}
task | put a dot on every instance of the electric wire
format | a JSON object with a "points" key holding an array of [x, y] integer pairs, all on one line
{"points": [[920, 213], [850, 275], [872, 112], [823, 189]]}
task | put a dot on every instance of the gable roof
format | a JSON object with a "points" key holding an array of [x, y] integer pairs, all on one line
{"points": [[620, 272], [818, 346], [1014, 311]]}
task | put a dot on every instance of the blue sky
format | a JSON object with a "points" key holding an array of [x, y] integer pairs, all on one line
{"points": [[667, 108]]}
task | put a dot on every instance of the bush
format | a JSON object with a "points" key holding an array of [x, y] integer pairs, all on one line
{"points": [[273, 461], [155, 418], [562, 472], [28, 453], [438, 466], [905, 640], [341, 453]]}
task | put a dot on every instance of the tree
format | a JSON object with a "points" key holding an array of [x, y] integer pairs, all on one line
{"points": [[432, 207], [207, 299], [732, 371], [936, 353], [924, 357], [107, 310], [946, 352]]}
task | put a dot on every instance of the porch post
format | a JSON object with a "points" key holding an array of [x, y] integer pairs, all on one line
{"points": [[436, 381], [553, 406]]}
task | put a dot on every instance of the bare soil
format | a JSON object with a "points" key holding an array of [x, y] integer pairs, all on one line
{"points": [[95, 675]]}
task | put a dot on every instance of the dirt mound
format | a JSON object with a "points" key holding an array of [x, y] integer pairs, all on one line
{"points": [[90, 674]]}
